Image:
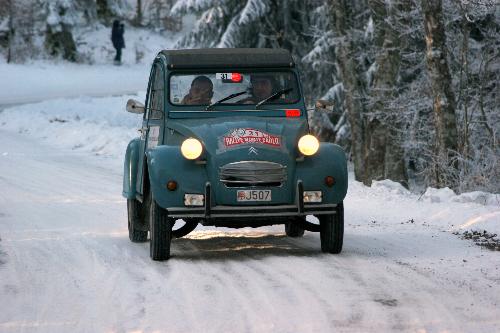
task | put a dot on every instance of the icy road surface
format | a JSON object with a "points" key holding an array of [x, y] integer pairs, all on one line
{"points": [[66, 264]]}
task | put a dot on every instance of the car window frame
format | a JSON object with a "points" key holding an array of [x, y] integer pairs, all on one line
{"points": [[230, 70], [155, 113]]}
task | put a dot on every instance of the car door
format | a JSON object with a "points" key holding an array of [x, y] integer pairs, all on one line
{"points": [[151, 130]]}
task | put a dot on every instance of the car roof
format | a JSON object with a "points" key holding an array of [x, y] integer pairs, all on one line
{"points": [[228, 57]]}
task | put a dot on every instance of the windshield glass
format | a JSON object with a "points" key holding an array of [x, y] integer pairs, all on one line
{"points": [[233, 88]]}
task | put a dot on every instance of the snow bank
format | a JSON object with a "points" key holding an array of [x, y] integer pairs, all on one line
{"points": [[96, 125], [447, 195], [390, 186], [441, 209]]}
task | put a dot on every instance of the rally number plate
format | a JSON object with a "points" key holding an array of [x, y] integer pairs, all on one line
{"points": [[253, 195]]}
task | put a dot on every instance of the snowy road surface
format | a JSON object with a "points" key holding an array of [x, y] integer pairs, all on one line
{"points": [[66, 264]]}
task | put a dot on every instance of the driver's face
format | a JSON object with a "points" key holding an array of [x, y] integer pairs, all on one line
{"points": [[262, 88], [201, 91]]}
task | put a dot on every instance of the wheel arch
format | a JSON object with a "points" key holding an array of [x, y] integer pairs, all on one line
{"points": [[130, 169]]}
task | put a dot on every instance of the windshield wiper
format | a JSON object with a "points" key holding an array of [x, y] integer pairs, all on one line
{"points": [[225, 99], [274, 96]]}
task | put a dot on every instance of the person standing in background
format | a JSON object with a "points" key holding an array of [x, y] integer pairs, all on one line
{"points": [[118, 40]]}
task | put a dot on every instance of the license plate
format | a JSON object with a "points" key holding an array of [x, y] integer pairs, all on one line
{"points": [[253, 195]]}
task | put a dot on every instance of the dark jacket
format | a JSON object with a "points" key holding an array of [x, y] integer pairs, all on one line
{"points": [[117, 35]]}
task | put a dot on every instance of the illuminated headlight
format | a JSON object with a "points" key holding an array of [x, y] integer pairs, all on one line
{"points": [[308, 145], [312, 196], [191, 148], [194, 199]]}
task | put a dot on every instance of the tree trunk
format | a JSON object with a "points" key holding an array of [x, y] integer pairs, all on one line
{"points": [[11, 30], [443, 97], [351, 78], [384, 155], [138, 13], [103, 11]]}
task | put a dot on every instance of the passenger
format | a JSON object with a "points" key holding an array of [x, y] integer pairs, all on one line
{"points": [[262, 87], [200, 93]]}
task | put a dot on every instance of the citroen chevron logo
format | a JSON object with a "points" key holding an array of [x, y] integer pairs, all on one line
{"points": [[252, 150]]}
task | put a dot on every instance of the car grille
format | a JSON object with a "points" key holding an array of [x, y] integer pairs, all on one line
{"points": [[252, 173]]}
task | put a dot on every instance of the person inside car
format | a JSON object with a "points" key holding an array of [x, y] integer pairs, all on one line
{"points": [[262, 86], [200, 93]]}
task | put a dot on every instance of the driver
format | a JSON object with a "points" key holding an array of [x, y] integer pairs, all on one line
{"points": [[262, 87], [201, 91]]}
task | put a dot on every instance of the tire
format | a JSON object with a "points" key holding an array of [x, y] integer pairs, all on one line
{"points": [[293, 229], [160, 231], [332, 231], [135, 233]]}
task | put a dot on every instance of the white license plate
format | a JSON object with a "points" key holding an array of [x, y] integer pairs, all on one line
{"points": [[253, 195]]}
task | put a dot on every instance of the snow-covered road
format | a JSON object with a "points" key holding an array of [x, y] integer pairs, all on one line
{"points": [[66, 264]]}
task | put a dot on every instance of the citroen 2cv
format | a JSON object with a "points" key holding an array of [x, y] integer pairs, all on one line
{"points": [[225, 142]]}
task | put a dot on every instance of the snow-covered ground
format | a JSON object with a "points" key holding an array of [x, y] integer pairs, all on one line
{"points": [[66, 263]]}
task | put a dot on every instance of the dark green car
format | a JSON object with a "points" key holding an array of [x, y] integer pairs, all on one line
{"points": [[225, 142]]}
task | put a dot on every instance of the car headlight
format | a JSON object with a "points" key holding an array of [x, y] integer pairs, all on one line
{"points": [[191, 148], [308, 145]]}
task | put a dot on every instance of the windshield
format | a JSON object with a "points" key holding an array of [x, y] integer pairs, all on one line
{"points": [[233, 88]]}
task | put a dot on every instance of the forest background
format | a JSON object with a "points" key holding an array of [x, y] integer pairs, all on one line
{"points": [[409, 88]]}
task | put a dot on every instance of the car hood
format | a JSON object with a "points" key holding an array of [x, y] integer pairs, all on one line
{"points": [[231, 136]]}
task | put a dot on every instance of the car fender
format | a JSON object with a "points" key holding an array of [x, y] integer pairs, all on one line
{"points": [[330, 160], [130, 169], [166, 163]]}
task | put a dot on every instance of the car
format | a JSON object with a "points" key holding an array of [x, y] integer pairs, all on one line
{"points": [[225, 142]]}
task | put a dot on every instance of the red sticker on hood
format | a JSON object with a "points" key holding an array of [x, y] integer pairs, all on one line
{"points": [[240, 136]]}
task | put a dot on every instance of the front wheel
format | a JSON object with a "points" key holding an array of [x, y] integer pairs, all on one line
{"points": [[332, 230], [160, 231]]}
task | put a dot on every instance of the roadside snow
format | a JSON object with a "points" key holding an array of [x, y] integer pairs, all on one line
{"points": [[96, 125], [447, 195]]}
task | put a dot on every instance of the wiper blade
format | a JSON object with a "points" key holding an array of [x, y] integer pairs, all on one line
{"points": [[225, 99], [274, 96]]}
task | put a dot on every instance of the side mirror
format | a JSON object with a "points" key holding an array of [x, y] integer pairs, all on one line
{"points": [[134, 106], [327, 105]]}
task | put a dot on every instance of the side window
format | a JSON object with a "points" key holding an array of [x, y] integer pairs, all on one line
{"points": [[157, 94]]}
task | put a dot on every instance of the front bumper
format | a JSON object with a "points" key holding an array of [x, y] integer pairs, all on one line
{"points": [[221, 211]]}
